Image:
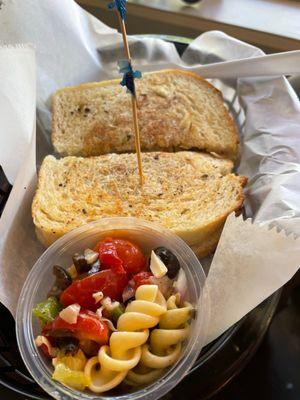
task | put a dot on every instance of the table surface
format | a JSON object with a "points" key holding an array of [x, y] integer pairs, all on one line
{"points": [[268, 23], [258, 16]]}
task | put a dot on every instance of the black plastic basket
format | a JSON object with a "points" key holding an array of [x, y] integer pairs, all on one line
{"points": [[218, 363]]}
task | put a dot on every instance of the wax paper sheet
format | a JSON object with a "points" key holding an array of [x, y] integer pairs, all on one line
{"points": [[73, 47]]}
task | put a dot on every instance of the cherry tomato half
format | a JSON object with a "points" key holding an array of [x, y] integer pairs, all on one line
{"points": [[108, 282], [88, 327], [113, 250], [142, 278]]}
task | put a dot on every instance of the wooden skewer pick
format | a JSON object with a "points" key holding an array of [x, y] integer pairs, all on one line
{"points": [[128, 79]]}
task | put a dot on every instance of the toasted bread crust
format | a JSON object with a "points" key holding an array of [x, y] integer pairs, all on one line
{"points": [[177, 110]]}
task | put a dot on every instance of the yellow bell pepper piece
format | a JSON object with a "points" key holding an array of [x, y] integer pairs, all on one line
{"points": [[75, 362], [74, 379]]}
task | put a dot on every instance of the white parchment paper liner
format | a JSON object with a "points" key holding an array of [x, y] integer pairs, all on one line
{"points": [[73, 47], [249, 259]]}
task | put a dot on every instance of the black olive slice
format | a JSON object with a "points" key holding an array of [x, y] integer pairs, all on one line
{"points": [[69, 344], [170, 261], [62, 281], [80, 263]]}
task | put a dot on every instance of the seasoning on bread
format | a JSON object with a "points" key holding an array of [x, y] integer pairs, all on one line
{"points": [[177, 110], [190, 193]]}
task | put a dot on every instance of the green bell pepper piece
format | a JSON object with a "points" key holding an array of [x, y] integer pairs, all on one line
{"points": [[47, 310]]}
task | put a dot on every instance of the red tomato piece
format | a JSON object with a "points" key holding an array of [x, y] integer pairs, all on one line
{"points": [[109, 259], [81, 291], [129, 253], [142, 278], [88, 327], [45, 350], [43, 347]]}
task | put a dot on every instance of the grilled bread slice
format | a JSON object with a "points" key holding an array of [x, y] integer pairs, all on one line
{"points": [[190, 193], [177, 110]]}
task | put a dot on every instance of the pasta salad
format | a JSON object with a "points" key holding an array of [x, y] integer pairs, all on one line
{"points": [[115, 317]]}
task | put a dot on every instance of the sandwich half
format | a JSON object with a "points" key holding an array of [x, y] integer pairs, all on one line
{"points": [[189, 193], [177, 110]]}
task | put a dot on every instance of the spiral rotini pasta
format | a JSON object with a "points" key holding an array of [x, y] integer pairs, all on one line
{"points": [[113, 362], [165, 343]]}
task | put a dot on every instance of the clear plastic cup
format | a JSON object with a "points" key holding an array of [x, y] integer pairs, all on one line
{"points": [[40, 280]]}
